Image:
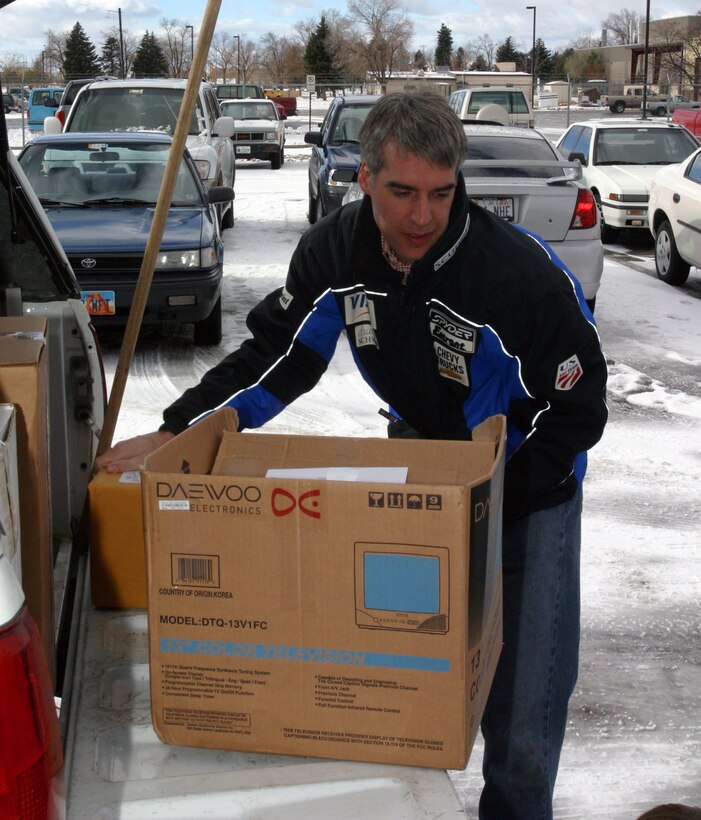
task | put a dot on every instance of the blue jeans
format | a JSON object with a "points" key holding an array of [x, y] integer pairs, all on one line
{"points": [[526, 713]]}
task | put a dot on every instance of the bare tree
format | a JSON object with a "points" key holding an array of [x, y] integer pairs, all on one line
{"points": [[54, 50], [625, 26], [249, 60], [223, 54], [384, 33], [589, 40], [483, 47], [175, 42], [279, 56], [129, 41], [679, 42]]}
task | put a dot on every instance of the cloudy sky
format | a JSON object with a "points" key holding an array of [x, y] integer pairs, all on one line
{"points": [[24, 22]]}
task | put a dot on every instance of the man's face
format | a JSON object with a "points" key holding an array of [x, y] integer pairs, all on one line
{"points": [[411, 201]]}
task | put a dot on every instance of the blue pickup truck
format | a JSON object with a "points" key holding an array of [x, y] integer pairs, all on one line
{"points": [[42, 103]]}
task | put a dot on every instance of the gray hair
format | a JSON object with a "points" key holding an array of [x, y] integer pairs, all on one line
{"points": [[421, 123]]}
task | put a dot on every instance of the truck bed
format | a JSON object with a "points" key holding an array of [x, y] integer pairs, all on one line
{"points": [[116, 767]]}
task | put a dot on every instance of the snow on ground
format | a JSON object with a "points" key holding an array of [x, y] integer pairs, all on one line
{"points": [[634, 739]]}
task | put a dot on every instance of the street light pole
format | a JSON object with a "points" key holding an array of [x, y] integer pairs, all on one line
{"points": [[192, 42], [238, 55], [533, 9], [122, 56]]}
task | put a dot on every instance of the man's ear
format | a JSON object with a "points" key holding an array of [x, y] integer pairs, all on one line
{"points": [[364, 177]]}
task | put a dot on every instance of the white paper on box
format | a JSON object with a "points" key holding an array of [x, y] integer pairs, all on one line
{"points": [[380, 475]]}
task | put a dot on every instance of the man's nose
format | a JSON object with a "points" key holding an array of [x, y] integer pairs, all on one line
{"points": [[421, 210]]}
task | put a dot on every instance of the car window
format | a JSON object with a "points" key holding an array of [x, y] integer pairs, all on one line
{"points": [[83, 173], [479, 99], [570, 140], [583, 144], [211, 106], [348, 124], [694, 170], [518, 104], [249, 110], [642, 146], [131, 108], [501, 148]]}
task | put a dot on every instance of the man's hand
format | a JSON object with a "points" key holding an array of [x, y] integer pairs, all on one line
{"points": [[131, 453]]}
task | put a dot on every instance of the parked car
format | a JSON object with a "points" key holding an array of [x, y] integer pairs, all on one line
{"points": [[675, 219], [36, 280], [335, 153], [258, 133], [619, 159], [9, 103], [519, 176], [99, 191], [153, 105], [468, 102], [69, 94], [41, 104]]}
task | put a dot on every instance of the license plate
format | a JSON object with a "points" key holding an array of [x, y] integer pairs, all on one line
{"points": [[99, 302], [501, 206], [243, 149]]}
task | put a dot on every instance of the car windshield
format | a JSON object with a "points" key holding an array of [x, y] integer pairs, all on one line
{"points": [[130, 109], [489, 147], [348, 124], [87, 174], [248, 110], [642, 146]]}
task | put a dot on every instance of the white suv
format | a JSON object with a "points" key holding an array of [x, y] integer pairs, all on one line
{"points": [[469, 102], [153, 105]]}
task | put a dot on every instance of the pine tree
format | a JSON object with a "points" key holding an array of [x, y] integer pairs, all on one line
{"points": [[444, 46], [79, 56], [110, 57], [419, 61], [544, 63], [506, 52], [317, 58], [460, 59], [149, 60]]}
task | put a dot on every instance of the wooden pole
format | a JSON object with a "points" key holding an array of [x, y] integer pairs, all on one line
{"points": [[126, 353]]}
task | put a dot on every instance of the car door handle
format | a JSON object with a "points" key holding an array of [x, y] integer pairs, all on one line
{"points": [[676, 198]]}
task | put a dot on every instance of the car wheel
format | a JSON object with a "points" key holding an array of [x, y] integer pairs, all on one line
{"points": [[311, 213], [227, 220], [660, 111], [320, 212], [618, 107], [671, 268], [608, 234], [208, 331], [276, 161]]}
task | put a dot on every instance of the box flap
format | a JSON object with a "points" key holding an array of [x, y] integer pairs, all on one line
{"points": [[194, 450], [428, 461], [22, 338]]}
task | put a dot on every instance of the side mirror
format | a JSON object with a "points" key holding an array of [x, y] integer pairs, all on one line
{"points": [[577, 155], [220, 193], [313, 137], [52, 125], [224, 127]]}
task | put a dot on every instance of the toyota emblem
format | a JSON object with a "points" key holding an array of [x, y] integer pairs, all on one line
{"points": [[88, 263]]}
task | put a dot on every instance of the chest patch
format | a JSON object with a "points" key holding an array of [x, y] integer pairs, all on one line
{"points": [[451, 334], [358, 308], [453, 343]]}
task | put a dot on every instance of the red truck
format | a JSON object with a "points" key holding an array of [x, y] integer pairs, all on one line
{"points": [[690, 118]]}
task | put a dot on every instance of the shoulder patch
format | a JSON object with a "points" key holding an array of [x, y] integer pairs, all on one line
{"points": [[285, 298], [568, 373]]}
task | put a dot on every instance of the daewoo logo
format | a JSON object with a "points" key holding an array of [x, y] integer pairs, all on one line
{"points": [[283, 502], [207, 492], [88, 263]]}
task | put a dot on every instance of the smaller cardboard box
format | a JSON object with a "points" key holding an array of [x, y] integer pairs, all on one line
{"points": [[24, 383], [117, 560], [357, 620], [9, 489]]}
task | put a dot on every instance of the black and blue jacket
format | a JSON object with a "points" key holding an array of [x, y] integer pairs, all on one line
{"points": [[488, 322]]}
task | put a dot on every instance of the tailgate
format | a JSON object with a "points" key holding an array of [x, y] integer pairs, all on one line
{"points": [[117, 767]]}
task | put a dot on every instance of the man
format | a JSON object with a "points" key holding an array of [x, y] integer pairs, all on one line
{"points": [[452, 316]]}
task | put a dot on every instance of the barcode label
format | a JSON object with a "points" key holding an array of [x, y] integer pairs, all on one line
{"points": [[195, 570]]}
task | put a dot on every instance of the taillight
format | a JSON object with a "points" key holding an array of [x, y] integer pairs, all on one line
{"points": [[585, 212], [61, 117], [30, 742]]}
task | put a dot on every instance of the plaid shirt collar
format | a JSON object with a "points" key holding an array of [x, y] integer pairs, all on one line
{"points": [[393, 260]]}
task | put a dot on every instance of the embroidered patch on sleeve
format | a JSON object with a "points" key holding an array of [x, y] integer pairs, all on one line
{"points": [[568, 373]]}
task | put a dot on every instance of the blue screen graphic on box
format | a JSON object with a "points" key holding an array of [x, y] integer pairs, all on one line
{"points": [[402, 583]]}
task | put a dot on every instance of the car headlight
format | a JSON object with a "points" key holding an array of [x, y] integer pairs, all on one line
{"points": [[270, 136], [341, 176], [616, 197], [179, 259]]}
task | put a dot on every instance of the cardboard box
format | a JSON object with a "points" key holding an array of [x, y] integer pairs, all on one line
{"points": [[9, 490], [23, 382], [352, 620], [117, 560]]}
